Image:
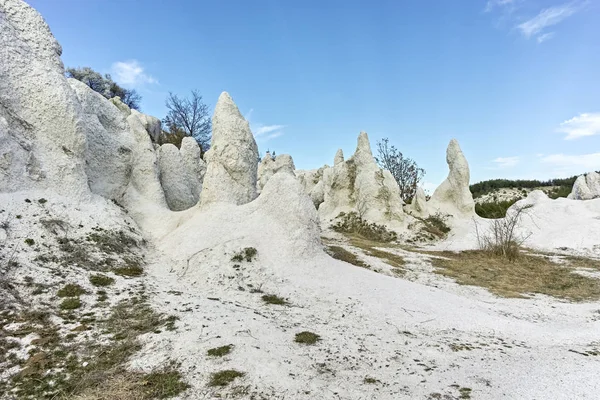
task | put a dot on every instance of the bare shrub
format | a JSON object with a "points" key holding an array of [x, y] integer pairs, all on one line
{"points": [[502, 239]]}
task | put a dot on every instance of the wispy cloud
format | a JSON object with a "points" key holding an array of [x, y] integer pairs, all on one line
{"points": [[569, 164], [506, 162], [546, 18], [585, 124], [263, 132], [491, 4], [545, 36], [131, 73]]}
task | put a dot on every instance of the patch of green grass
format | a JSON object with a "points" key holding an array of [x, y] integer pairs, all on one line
{"points": [[70, 303], [220, 351], [29, 242], [131, 268], [307, 337], [225, 377], [371, 381], [42, 201], [465, 393], [71, 290], [163, 384], [101, 280], [248, 254], [274, 299]]}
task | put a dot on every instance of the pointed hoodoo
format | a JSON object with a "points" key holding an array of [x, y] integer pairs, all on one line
{"points": [[339, 157], [453, 196], [232, 159]]}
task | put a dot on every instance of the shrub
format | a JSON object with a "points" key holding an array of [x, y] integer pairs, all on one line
{"points": [[29, 242], [494, 209], [436, 225], [307, 337], [71, 290], [101, 280], [501, 239], [352, 223], [70, 303]]}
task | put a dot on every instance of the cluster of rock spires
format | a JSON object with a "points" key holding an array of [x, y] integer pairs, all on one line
{"points": [[58, 134], [586, 187]]}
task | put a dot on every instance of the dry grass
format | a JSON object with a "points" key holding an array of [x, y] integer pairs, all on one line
{"points": [[339, 253], [526, 275], [373, 249]]}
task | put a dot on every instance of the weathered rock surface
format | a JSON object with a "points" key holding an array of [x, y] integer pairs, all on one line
{"points": [[194, 165], [418, 206], [150, 123], [358, 184], [231, 171], [453, 196], [108, 152], [586, 187], [42, 138], [173, 176], [269, 167], [339, 157]]}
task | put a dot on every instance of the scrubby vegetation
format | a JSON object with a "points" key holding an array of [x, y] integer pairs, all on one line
{"points": [[220, 351], [274, 299], [352, 223], [339, 253]]}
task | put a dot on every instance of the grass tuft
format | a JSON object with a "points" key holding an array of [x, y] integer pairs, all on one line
{"points": [[71, 290], [307, 337], [224, 378], [220, 351], [101, 280], [70, 303], [274, 299]]}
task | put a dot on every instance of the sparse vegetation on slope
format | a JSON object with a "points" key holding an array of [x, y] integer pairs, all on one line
{"points": [[352, 223]]}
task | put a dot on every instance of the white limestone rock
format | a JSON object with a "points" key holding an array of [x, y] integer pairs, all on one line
{"points": [[453, 196], [231, 171], [174, 178], [358, 184], [269, 167], [339, 157], [42, 140], [150, 123], [586, 187], [124, 108], [109, 143], [194, 165], [418, 206]]}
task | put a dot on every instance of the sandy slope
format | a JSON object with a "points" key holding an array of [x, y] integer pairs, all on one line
{"points": [[415, 339]]}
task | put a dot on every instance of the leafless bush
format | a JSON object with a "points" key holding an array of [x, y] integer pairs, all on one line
{"points": [[502, 239]]}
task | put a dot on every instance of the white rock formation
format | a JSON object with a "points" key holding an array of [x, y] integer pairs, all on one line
{"points": [[269, 167], [358, 184], [42, 140], [174, 176], [312, 182], [339, 157], [109, 143], [453, 196], [150, 123], [194, 165], [231, 170], [418, 206], [586, 187]]}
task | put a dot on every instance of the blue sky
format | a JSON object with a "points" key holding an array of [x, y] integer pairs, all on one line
{"points": [[517, 82]]}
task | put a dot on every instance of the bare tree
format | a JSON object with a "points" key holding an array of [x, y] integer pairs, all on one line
{"points": [[190, 116], [405, 170], [502, 239]]}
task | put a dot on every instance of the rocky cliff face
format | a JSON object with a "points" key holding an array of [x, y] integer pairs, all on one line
{"points": [[586, 187]]}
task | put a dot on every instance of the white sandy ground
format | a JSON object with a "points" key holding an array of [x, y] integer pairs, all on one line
{"points": [[416, 337]]}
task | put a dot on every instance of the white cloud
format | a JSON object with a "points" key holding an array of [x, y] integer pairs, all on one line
{"points": [[130, 73], [491, 4], [585, 124], [267, 130], [547, 17], [573, 164], [506, 162], [545, 36]]}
